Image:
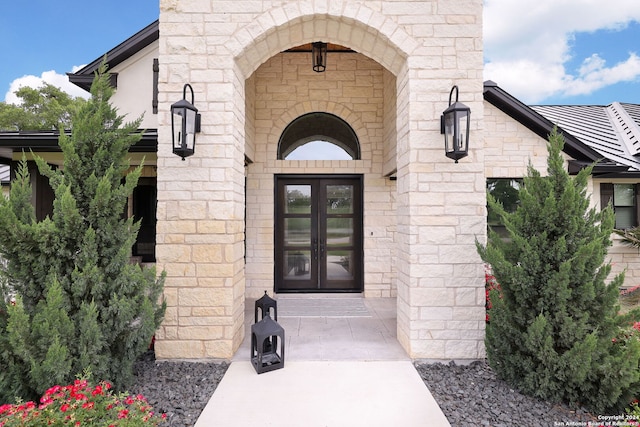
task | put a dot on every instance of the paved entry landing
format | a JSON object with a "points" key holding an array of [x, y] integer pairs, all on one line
{"points": [[332, 327], [345, 371]]}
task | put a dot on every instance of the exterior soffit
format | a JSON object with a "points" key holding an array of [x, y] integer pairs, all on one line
{"points": [[355, 26]]}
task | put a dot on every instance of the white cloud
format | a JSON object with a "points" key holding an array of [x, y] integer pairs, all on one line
{"points": [[594, 74], [528, 42], [59, 80]]}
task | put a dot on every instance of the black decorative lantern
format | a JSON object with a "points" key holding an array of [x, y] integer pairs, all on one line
{"points": [[454, 124], [185, 123], [319, 54], [267, 345], [265, 304]]}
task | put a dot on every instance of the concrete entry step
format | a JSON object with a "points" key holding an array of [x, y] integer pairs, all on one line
{"points": [[334, 307]]}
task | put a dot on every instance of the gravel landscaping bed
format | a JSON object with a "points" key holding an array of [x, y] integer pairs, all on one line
{"points": [[179, 389], [469, 395]]}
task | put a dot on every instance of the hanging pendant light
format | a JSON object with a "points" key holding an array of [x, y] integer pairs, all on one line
{"points": [[319, 56]]}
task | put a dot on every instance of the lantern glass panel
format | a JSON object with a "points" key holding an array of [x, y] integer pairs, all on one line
{"points": [[449, 132], [461, 140], [178, 113], [190, 129], [319, 56]]}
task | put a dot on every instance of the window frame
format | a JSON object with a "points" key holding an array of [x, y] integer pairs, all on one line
{"points": [[318, 126], [498, 227], [607, 195]]}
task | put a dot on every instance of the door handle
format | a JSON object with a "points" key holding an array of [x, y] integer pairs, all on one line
{"points": [[315, 249], [321, 248]]}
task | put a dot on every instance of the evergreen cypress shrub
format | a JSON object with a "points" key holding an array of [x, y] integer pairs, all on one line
{"points": [[555, 330], [79, 303]]}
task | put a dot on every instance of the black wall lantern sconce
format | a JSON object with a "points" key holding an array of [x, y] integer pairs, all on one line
{"points": [[185, 123], [319, 54], [454, 124]]}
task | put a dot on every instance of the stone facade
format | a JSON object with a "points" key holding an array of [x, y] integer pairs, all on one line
{"points": [[420, 230], [509, 146]]}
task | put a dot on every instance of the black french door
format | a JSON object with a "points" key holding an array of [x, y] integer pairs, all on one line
{"points": [[318, 233]]}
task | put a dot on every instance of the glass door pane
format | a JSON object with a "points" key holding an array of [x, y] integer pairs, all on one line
{"points": [[340, 265], [297, 199], [297, 265], [339, 199]]}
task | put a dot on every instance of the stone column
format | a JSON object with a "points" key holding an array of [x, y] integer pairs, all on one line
{"points": [[200, 238]]}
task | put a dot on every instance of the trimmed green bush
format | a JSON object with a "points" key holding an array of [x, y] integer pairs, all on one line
{"points": [[555, 320], [79, 302]]}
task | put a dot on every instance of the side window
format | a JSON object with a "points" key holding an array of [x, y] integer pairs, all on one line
{"points": [[623, 199], [144, 200], [505, 190]]}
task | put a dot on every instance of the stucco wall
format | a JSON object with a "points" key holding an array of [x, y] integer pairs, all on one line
{"points": [[134, 94]]}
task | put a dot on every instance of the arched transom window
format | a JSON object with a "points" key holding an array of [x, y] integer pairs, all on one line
{"points": [[318, 136]]}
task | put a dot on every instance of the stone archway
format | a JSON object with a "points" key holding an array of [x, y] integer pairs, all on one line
{"points": [[201, 239], [259, 272]]}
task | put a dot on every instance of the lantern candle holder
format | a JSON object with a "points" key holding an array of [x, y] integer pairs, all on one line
{"points": [[267, 345]]}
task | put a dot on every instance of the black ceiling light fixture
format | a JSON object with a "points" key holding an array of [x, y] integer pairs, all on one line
{"points": [[185, 123], [319, 55], [454, 124]]}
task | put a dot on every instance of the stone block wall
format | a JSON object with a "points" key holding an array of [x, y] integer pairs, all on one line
{"points": [[509, 146], [425, 47]]}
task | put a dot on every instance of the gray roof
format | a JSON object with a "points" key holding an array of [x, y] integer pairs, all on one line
{"points": [[612, 130]]}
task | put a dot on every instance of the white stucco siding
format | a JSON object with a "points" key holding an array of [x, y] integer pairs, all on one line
{"points": [[134, 94]]}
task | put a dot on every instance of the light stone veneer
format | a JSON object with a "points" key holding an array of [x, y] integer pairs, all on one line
{"points": [[420, 230]]}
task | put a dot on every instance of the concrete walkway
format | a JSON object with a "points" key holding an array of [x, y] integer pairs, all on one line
{"points": [[343, 371]]}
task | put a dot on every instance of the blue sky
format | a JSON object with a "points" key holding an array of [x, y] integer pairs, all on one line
{"points": [[37, 36], [541, 51]]}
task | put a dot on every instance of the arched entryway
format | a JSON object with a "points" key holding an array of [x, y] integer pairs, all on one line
{"points": [[216, 211], [354, 105], [329, 255]]}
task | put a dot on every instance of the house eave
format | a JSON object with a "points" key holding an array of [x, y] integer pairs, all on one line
{"points": [[536, 122], [125, 50], [47, 141], [602, 168]]}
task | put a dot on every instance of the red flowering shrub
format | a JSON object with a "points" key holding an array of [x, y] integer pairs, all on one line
{"points": [[631, 332], [80, 404]]}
